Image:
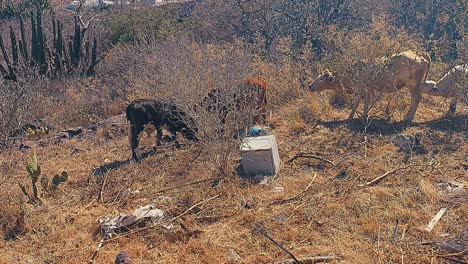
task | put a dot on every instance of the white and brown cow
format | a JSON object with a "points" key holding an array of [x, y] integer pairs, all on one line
{"points": [[454, 84], [406, 69]]}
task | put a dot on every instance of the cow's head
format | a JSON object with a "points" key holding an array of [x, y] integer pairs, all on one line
{"points": [[325, 81], [429, 87]]}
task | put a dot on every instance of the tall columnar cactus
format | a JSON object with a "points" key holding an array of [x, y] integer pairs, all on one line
{"points": [[70, 56], [22, 43], [14, 48]]}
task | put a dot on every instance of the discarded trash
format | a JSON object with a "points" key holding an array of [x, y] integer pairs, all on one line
{"points": [[409, 143], [128, 192], [450, 187], [278, 189], [260, 156], [435, 220], [455, 246], [259, 131], [111, 226]]}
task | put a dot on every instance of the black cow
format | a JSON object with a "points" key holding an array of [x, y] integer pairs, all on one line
{"points": [[143, 111]]}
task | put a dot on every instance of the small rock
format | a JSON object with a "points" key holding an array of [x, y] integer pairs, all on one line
{"points": [[280, 218], [122, 258]]}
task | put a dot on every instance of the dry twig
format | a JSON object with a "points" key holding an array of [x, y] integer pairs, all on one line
{"points": [[295, 196], [303, 155], [296, 261], [376, 180], [316, 259]]}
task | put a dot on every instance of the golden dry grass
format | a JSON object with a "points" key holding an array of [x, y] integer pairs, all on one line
{"points": [[333, 217]]}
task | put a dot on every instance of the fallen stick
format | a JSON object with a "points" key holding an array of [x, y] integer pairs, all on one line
{"points": [[295, 196], [395, 231], [383, 176], [435, 220], [302, 155], [376, 180], [296, 261], [311, 260]]}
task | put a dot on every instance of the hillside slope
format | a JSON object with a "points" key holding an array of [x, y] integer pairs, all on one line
{"points": [[312, 207]]}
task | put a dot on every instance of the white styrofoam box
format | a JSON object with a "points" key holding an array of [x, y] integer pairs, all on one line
{"points": [[260, 155]]}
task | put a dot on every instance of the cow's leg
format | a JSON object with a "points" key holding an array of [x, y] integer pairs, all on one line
{"points": [[453, 105], [354, 106], [173, 130], [388, 115], [133, 131], [415, 99], [158, 135]]}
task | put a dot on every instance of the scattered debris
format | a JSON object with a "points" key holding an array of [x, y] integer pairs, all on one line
{"points": [[451, 187], [280, 218], [257, 131], [233, 256], [278, 189], [409, 143], [122, 223], [456, 244], [123, 258], [112, 226], [435, 220], [455, 247], [127, 193]]}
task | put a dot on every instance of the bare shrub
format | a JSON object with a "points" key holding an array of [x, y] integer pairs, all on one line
{"points": [[12, 215], [17, 102], [360, 56]]}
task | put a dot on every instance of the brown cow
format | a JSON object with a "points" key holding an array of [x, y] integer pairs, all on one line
{"points": [[454, 84], [144, 111], [248, 95], [406, 69]]}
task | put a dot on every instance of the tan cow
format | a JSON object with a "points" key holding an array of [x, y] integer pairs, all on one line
{"points": [[454, 84], [406, 69]]}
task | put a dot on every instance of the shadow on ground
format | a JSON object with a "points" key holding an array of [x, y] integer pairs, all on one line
{"points": [[101, 170], [457, 123]]}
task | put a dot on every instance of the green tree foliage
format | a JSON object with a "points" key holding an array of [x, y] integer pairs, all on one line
{"points": [[142, 25]]}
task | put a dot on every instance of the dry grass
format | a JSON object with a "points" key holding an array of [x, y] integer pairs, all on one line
{"points": [[334, 216]]}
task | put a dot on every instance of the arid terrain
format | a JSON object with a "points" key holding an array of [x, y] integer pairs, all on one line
{"points": [[312, 207], [375, 190]]}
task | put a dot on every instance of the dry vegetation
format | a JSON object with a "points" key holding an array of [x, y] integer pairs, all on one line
{"points": [[312, 207]]}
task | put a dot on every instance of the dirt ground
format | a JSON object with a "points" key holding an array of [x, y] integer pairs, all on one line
{"points": [[314, 207]]}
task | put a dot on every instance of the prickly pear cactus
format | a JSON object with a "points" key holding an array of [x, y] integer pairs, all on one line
{"points": [[59, 179], [34, 170], [33, 167]]}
